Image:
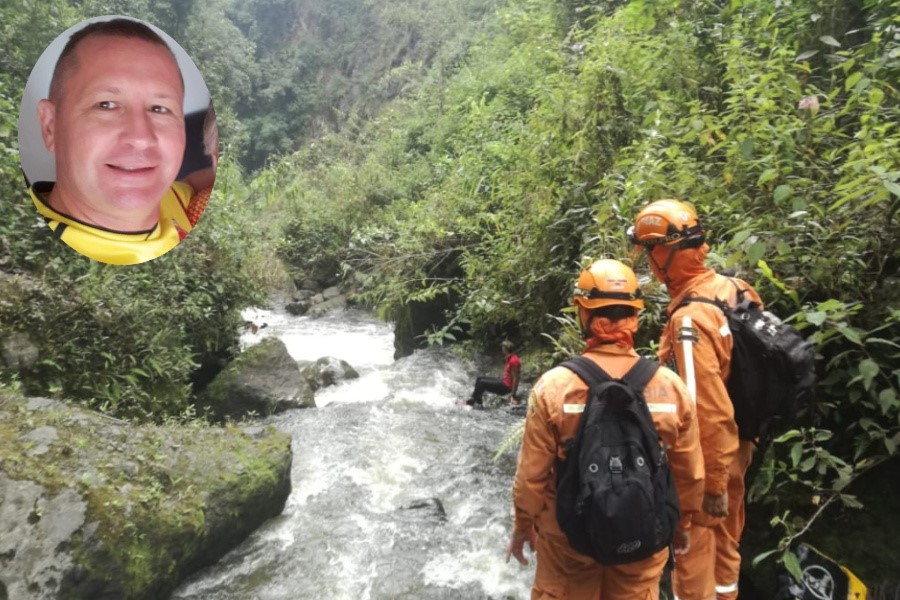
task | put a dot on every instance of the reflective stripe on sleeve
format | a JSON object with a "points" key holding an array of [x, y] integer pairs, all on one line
{"points": [[662, 407], [687, 345], [573, 409]]}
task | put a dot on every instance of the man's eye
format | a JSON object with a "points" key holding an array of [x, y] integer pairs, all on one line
{"points": [[106, 105], [159, 109]]}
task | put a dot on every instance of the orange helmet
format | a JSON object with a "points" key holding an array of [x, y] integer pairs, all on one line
{"points": [[665, 222], [607, 282]]}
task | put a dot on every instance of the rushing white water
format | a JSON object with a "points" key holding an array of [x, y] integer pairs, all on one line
{"points": [[395, 491]]}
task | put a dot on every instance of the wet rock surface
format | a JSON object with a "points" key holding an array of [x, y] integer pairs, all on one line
{"points": [[327, 371], [93, 507]]}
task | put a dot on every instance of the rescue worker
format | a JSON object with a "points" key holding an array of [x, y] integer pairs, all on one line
{"points": [[608, 301], [697, 337]]}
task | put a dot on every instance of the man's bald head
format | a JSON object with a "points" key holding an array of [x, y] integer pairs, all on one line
{"points": [[125, 28]]}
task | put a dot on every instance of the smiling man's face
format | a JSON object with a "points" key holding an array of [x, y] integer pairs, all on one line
{"points": [[117, 130]]}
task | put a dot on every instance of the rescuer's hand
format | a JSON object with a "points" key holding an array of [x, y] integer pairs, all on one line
{"points": [[517, 545]]}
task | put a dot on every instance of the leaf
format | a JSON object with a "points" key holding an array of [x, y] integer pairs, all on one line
{"points": [[782, 192], [822, 435], [877, 340], [770, 275], [868, 369], [788, 435], [816, 317], [792, 564], [850, 333], [805, 55], [756, 252], [740, 236], [887, 400], [747, 148], [850, 501], [796, 453], [761, 557], [767, 176], [852, 80], [827, 39], [892, 187]]}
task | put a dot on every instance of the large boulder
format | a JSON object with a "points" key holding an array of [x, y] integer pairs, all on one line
{"points": [[262, 380], [327, 371], [95, 508]]}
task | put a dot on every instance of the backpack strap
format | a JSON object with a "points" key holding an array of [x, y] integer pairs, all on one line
{"points": [[592, 374], [641, 373], [740, 291], [589, 371], [720, 304]]}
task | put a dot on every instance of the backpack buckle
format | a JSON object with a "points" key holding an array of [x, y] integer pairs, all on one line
{"points": [[615, 465]]}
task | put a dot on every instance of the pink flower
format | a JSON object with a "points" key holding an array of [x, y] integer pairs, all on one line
{"points": [[810, 103]]}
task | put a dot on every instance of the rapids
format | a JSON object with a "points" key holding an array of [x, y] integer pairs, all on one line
{"points": [[395, 493]]}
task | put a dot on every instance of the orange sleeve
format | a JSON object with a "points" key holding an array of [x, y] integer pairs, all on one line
{"points": [[537, 458], [702, 345]]}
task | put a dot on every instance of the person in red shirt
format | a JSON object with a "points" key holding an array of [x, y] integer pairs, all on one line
{"points": [[508, 384]]}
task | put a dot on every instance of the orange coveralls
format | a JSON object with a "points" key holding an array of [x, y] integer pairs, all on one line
{"points": [[698, 338], [554, 410]]}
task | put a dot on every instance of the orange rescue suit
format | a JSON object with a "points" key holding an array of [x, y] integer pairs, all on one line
{"points": [[697, 337], [552, 419]]}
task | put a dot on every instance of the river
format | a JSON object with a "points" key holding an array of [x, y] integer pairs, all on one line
{"points": [[395, 493]]}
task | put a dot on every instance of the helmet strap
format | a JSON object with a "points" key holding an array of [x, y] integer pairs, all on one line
{"points": [[585, 327], [664, 269]]}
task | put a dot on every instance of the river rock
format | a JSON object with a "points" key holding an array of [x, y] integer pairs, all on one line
{"points": [[430, 509], [262, 380], [327, 371], [74, 525], [297, 308]]}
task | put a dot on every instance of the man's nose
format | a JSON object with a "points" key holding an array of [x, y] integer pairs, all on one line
{"points": [[138, 130]]}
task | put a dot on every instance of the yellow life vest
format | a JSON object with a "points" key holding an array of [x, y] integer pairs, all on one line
{"points": [[116, 247]]}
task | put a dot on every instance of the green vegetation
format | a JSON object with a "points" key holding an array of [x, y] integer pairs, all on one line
{"points": [[457, 163], [481, 194]]}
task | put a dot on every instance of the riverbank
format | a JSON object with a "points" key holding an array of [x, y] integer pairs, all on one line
{"points": [[93, 507]]}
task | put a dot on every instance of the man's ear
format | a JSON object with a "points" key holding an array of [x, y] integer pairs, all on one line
{"points": [[47, 117]]}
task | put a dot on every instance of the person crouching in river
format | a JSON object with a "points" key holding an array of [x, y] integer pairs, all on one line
{"points": [[508, 384]]}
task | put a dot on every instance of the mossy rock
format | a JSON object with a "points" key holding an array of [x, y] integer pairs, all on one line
{"points": [[97, 508], [262, 380]]}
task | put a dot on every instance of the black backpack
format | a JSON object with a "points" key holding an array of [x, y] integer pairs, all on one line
{"points": [[615, 498], [773, 371]]}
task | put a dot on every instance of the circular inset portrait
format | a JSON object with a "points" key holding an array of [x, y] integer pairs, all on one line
{"points": [[118, 140]]}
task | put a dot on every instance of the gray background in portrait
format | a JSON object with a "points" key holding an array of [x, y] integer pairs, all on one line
{"points": [[37, 162]]}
